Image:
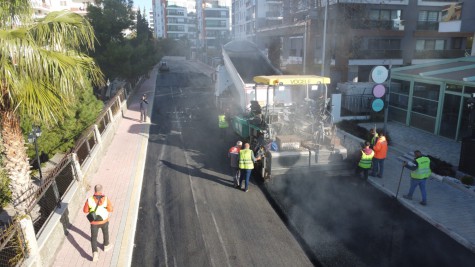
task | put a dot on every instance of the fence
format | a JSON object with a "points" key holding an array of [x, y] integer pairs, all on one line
{"points": [[13, 248], [46, 197], [356, 105]]}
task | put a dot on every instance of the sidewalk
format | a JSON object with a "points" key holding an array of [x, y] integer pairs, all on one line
{"points": [[449, 208], [121, 175]]}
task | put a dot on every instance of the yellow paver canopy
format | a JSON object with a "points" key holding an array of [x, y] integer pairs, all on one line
{"points": [[291, 79]]}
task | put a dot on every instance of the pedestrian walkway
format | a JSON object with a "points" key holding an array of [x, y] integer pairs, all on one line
{"points": [[120, 173], [450, 209]]}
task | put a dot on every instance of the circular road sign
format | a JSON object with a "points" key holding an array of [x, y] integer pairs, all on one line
{"points": [[379, 90], [377, 105], [379, 74]]}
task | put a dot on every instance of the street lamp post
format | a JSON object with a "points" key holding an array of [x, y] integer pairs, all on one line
{"points": [[32, 138]]}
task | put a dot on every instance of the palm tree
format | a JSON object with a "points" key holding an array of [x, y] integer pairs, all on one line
{"points": [[42, 64]]}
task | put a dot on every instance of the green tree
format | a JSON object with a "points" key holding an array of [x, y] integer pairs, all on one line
{"points": [[42, 66], [61, 137], [122, 56]]}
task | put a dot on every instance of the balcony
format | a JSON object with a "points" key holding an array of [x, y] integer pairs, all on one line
{"points": [[427, 25], [376, 54], [430, 54], [366, 24]]}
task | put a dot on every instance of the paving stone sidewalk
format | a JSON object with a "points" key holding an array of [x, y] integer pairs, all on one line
{"points": [[450, 208], [120, 173]]}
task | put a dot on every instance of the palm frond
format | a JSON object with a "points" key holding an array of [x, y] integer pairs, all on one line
{"points": [[42, 65], [63, 30]]}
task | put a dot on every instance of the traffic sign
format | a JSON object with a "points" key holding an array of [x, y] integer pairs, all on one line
{"points": [[379, 90], [377, 105], [379, 74]]}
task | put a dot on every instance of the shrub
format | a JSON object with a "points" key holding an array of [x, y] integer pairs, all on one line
{"points": [[467, 180], [441, 167]]}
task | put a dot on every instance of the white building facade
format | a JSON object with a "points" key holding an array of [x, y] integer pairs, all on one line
{"points": [[43, 7]]}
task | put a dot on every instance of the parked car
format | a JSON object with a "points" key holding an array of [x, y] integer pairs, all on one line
{"points": [[163, 67]]}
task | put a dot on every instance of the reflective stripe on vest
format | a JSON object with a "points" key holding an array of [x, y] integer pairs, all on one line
{"points": [[101, 209], [245, 159], [222, 123], [423, 168], [365, 161]]}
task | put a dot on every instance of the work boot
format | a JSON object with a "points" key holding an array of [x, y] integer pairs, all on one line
{"points": [[107, 248], [95, 256], [407, 197]]}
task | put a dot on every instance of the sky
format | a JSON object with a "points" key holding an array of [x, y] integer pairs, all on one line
{"points": [[143, 3]]}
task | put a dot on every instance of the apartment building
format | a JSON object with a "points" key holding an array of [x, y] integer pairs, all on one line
{"points": [[174, 19], [400, 33], [214, 26], [361, 34], [250, 15]]}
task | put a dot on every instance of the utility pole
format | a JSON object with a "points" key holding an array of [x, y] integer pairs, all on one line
{"points": [[322, 72]]}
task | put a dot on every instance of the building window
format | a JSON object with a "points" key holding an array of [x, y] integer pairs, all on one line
{"points": [[399, 100], [457, 43], [429, 20], [450, 112], [425, 102], [389, 19], [384, 44], [430, 45], [384, 14]]}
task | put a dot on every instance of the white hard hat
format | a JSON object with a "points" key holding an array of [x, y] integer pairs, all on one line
{"points": [[239, 143]]}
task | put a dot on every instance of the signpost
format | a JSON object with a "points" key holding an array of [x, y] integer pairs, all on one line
{"points": [[379, 75]]}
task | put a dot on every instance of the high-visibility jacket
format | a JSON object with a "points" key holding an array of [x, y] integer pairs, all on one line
{"points": [[222, 122], [381, 148], [245, 159], [103, 209], [423, 168], [366, 159]]}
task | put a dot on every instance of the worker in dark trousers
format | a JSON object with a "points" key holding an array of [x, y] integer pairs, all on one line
{"points": [[246, 164], [143, 108], [233, 155], [420, 171], [365, 163]]}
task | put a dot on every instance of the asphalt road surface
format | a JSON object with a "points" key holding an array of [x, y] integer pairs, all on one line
{"points": [[190, 214]]}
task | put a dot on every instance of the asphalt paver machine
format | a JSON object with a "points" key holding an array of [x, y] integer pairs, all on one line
{"points": [[287, 122]]}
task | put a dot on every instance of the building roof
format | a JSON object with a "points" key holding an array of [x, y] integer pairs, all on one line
{"points": [[458, 70]]}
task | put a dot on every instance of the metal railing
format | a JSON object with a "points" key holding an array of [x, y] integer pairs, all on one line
{"points": [[356, 105], [43, 198], [13, 248]]}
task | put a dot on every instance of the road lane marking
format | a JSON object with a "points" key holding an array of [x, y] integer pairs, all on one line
{"points": [[160, 207], [221, 239]]}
